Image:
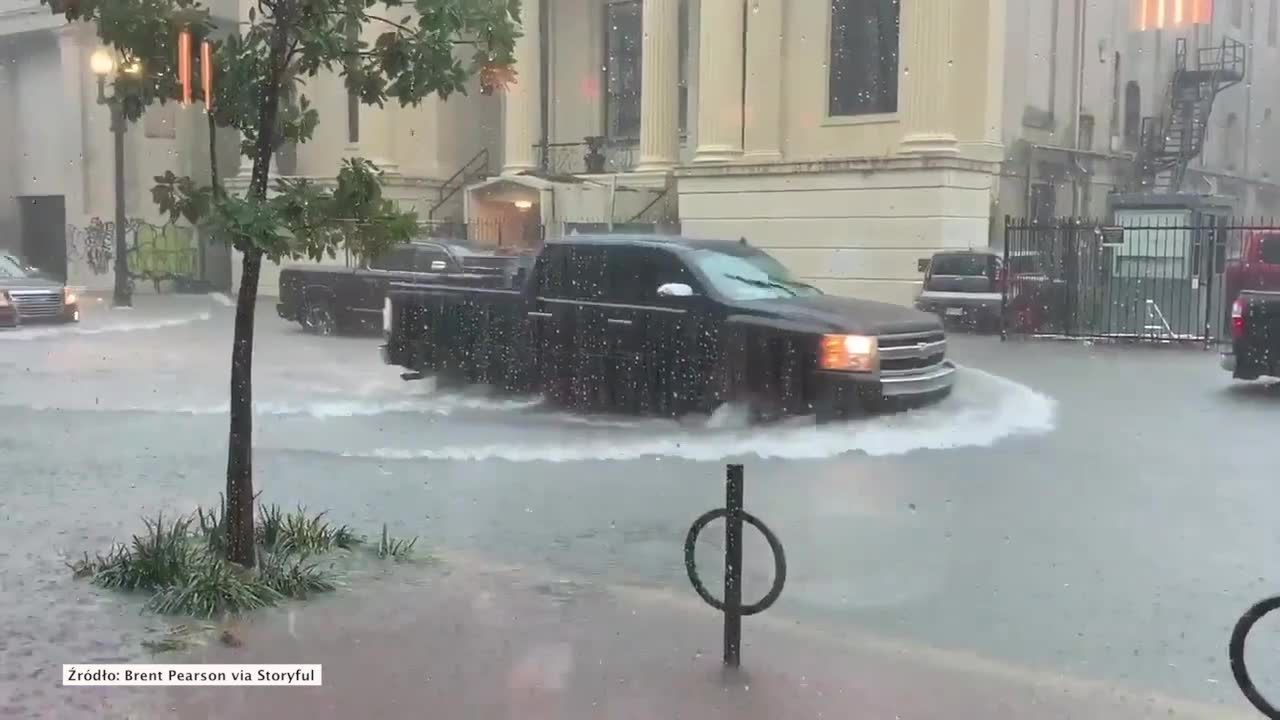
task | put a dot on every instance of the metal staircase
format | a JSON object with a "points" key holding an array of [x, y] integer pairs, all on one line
{"points": [[1171, 140], [473, 170]]}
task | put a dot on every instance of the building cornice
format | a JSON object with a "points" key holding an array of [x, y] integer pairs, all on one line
{"points": [[846, 165]]}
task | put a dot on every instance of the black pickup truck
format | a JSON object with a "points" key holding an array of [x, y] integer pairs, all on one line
{"points": [[667, 326], [326, 299], [1255, 336]]}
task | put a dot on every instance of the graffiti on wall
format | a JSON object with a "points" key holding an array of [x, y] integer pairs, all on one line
{"points": [[155, 252], [94, 244]]}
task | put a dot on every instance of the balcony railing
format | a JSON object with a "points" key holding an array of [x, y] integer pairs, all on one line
{"points": [[592, 156]]}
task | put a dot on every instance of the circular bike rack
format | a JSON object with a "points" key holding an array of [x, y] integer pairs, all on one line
{"points": [[775, 545], [1235, 651], [732, 607]]}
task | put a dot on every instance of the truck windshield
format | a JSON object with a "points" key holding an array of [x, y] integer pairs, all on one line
{"points": [[755, 276]]}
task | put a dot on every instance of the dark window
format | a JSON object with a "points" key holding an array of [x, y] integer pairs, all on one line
{"points": [[863, 75], [424, 256], [1086, 132], [397, 259], [1132, 114], [1269, 253], [549, 272], [585, 273], [1271, 23], [968, 265], [657, 267], [353, 100], [623, 50]]}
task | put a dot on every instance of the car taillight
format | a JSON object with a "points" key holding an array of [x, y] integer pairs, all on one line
{"points": [[1237, 319]]}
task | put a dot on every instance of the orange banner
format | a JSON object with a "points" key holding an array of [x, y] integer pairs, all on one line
{"points": [[1160, 14], [184, 65], [206, 74]]}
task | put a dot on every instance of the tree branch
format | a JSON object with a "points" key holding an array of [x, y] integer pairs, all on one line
{"points": [[392, 23]]}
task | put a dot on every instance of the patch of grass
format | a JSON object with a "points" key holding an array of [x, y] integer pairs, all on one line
{"points": [[159, 558], [212, 587], [294, 577], [182, 562], [395, 548]]}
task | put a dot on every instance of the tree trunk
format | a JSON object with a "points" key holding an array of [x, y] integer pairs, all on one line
{"points": [[240, 541], [239, 512]]}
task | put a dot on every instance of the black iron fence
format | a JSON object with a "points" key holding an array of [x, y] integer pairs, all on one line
{"points": [[1153, 279]]}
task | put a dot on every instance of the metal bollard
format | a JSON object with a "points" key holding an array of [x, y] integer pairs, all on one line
{"points": [[1235, 653], [732, 606]]}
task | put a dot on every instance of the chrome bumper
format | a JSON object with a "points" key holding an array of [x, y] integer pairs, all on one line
{"points": [[908, 383], [382, 353]]}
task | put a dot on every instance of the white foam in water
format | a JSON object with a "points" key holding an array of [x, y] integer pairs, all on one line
{"points": [[58, 330], [982, 410], [222, 299], [442, 404]]}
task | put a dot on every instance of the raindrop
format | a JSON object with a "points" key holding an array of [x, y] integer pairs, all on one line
{"points": [[911, 507]]}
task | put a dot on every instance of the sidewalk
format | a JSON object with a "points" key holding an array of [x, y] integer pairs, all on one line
{"points": [[500, 645]]}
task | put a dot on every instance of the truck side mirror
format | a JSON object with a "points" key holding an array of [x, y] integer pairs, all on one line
{"points": [[674, 290], [438, 266]]}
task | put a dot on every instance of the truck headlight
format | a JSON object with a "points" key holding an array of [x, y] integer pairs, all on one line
{"points": [[69, 296], [851, 353], [386, 316]]}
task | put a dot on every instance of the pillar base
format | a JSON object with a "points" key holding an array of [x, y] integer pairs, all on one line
{"points": [[717, 154], [651, 166], [929, 144]]}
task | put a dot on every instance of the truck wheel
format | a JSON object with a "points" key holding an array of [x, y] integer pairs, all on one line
{"points": [[318, 317]]}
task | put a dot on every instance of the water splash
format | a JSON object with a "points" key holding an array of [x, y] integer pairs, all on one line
{"points": [[983, 410]]}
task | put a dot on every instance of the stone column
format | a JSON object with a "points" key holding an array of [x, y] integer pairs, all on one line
{"points": [[659, 78], [378, 124], [720, 81], [522, 103], [927, 64], [762, 134], [75, 68]]}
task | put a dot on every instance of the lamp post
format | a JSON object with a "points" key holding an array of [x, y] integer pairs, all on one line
{"points": [[102, 64]]}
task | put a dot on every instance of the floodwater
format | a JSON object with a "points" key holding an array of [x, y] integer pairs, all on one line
{"points": [[1033, 518]]}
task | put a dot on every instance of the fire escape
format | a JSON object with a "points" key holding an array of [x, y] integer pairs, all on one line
{"points": [[1171, 140]]}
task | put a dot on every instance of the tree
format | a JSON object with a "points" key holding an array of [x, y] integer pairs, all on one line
{"points": [[421, 50]]}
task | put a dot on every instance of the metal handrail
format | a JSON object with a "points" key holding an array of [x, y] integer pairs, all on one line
{"points": [[479, 160]]}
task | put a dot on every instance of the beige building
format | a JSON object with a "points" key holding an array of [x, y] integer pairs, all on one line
{"points": [[851, 138]]}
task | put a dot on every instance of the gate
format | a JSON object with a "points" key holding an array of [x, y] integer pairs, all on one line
{"points": [[1147, 279]]}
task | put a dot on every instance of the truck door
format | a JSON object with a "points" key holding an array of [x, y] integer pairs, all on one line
{"points": [[672, 333], [551, 323]]}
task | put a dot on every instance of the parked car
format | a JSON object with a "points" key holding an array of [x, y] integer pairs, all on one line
{"points": [[668, 326], [325, 300], [1255, 335], [28, 295], [968, 286]]}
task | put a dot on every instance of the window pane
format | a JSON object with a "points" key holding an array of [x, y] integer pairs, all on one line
{"points": [[399, 259], [623, 33], [967, 265], [1270, 251], [864, 57]]}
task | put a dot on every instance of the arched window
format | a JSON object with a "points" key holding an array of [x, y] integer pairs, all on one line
{"points": [[1132, 114]]}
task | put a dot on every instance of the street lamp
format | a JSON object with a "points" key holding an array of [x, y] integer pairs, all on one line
{"points": [[103, 64]]}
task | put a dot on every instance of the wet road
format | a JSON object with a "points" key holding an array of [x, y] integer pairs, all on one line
{"points": [[1076, 511]]}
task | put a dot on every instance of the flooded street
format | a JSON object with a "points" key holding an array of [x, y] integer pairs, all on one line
{"points": [[1023, 524]]}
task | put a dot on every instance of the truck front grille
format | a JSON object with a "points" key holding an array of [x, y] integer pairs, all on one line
{"points": [[911, 352]]}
